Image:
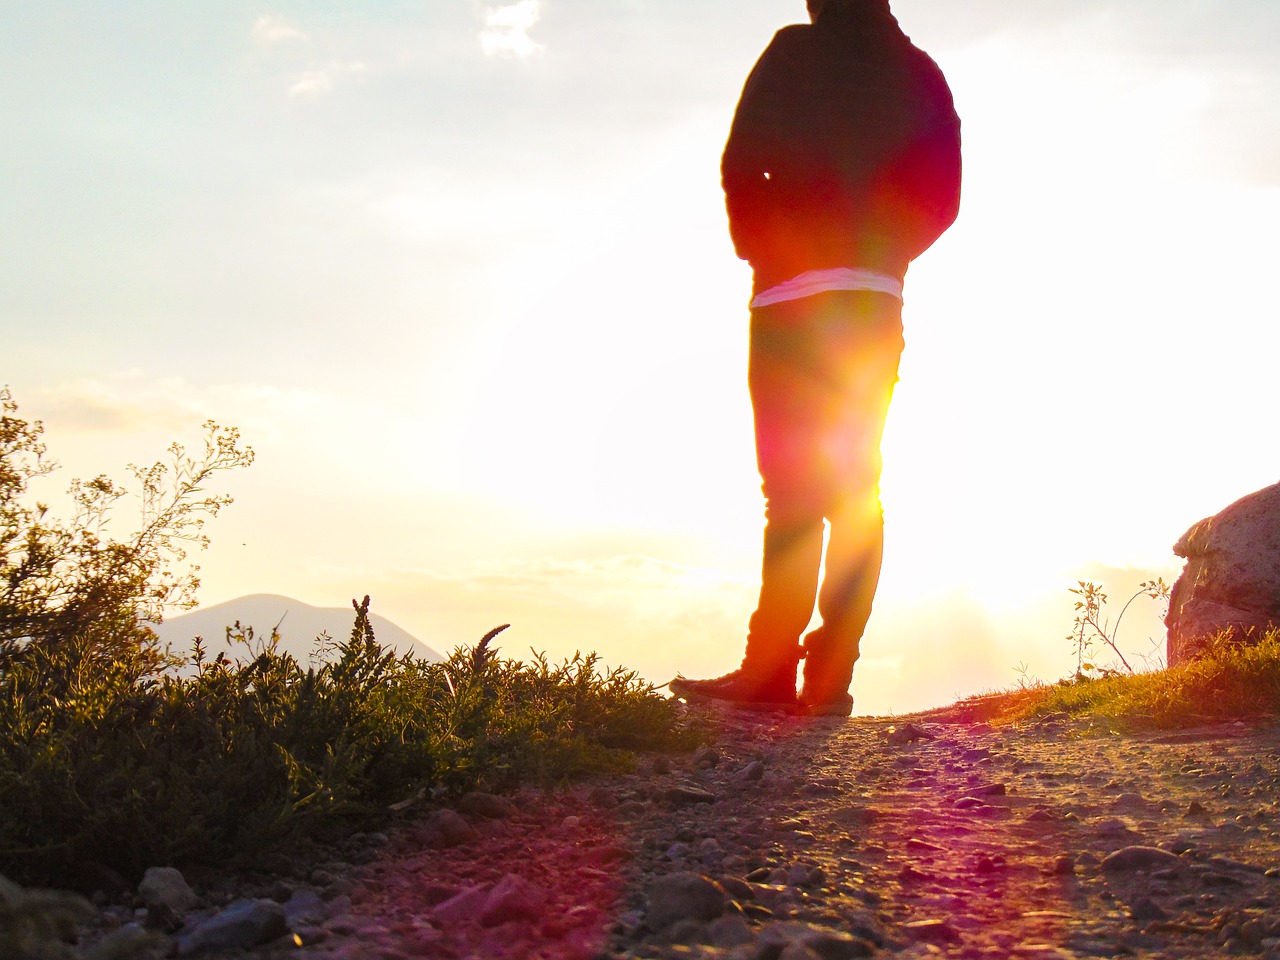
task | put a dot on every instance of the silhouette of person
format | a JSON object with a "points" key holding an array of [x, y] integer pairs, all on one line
{"points": [[842, 166]]}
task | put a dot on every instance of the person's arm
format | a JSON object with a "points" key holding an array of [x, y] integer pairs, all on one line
{"points": [[753, 149], [928, 172]]}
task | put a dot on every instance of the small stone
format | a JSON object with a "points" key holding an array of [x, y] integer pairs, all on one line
{"points": [[707, 756], [797, 876], [304, 908], [660, 766], [752, 772], [1136, 858], [242, 925], [604, 798], [486, 805], [607, 854], [130, 942], [730, 930], [165, 886], [683, 896], [163, 918], [908, 733], [512, 899], [446, 828], [1063, 866], [932, 931], [1144, 910], [811, 941], [915, 845], [462, 906], [1196, 809], [684, 794]]}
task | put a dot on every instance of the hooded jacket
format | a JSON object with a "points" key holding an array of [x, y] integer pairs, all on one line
{"points": [[844, 149]]}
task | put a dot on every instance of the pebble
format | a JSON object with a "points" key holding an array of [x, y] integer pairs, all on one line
{"points": [[446, 828], [683, 896], [486, 805], [244, 924], [684, 794], [166, 887], [1138, 858]]}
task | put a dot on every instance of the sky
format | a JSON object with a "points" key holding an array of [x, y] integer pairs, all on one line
{"points": [[459, 271]]}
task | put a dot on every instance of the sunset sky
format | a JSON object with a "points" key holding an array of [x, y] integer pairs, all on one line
{"points": [[460, 273]]}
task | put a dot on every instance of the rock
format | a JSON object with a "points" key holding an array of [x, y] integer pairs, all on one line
{"points": [[805, 940], [607, 854], [130, 942], [464, 905], [512, 899], [242, 925], [730, 930], [166, 887], [604, 798], [446, 828], [486, 806], [752, 772], [1145, 910], [683, 896], [1139, 858], [1231, 580], [304, 908], [163, 918], [707, 757], [683, 794], [907, 733], [932, 931]]}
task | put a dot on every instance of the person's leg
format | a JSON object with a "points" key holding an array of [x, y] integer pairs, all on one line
{"points": [[863, 368], [788, 403]]}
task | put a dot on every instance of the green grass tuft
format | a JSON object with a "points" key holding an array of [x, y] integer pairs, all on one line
{"points": [[1232, 681], [246, 756]]}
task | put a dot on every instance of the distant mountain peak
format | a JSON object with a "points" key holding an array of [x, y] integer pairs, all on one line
{"points": [[298, 623]]}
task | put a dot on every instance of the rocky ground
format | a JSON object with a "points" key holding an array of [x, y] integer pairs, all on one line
{"points": [[799, 839]]}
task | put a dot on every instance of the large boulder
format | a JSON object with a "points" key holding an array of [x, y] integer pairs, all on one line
{"points": [[1231, 580]]}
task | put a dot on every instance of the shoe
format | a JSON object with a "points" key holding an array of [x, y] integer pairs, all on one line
{"points": [[837, 705], [738, 689]]}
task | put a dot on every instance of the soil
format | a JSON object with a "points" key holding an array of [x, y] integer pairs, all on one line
{"points": [[917, 836]]}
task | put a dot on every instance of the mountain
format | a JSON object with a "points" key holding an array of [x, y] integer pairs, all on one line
{"points": [[298, 623]]}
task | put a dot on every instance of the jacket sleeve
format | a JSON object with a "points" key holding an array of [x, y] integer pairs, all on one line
{"points": [[753, 148], [927, 174]]}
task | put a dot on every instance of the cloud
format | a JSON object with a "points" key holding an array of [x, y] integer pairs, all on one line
{"points": [[135, 403], [320, 80], [506, 30], [270, 30]]}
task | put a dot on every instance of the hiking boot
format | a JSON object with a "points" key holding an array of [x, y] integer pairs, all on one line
{"points": [[834, 705], [741, 689]]}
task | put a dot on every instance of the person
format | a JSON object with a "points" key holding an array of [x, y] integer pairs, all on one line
{"points": [[842, 166]]}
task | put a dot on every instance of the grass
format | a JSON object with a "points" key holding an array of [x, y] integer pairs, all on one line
{"points": [[1232, 681], [117, 756], [246, 757]]}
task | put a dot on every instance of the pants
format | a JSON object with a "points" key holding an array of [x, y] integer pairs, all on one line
{"points": [[822, 371]]}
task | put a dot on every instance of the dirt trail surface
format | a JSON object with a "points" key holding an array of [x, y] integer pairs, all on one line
{"points": [[797, 839]]}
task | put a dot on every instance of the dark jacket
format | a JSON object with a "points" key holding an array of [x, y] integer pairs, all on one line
{"points": [[844, 151]]}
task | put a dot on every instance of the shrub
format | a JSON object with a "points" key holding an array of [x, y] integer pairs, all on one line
{"points": [[113, 758]]}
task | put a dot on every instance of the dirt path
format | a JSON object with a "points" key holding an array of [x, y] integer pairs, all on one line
{"points": [[832, 839]]}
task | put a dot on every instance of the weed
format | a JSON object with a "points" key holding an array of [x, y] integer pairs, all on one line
{"points": [[1093, 630], [112, 757]]}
